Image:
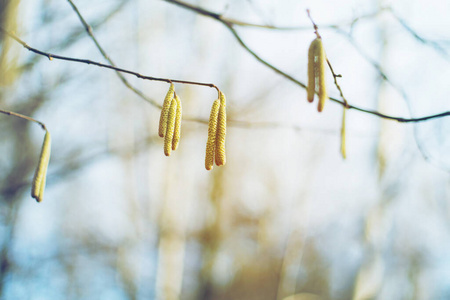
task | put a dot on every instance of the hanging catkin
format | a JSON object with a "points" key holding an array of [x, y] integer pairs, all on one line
{"points": [[311, 89], [38, 186], [220, 156], [170, 127], [343, 152], [321, 65], [165, 111], [42, 189], [177, 132], [212, 130], [316, 73]]}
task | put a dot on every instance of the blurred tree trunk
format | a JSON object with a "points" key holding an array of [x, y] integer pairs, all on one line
{"points": [[8, 58]]}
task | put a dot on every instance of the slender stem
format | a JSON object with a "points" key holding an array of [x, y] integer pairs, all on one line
{"points": [[335, 77], [51, 56], [316, 29], [10, 113]]}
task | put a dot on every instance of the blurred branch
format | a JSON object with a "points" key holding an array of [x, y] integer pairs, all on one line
{"points": [[66, 166], [366, 16], [10, 113], [418, 37], [230, 25], [241, 23], [7, 263], [76, 35]]}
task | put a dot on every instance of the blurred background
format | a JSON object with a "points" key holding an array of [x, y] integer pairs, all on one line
{"points": [[287, 217]]}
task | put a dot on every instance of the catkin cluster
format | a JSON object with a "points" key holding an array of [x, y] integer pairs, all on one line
{"points": [[38, 186], [170, 126], [217, 129], [316, 73], [170, 121]]}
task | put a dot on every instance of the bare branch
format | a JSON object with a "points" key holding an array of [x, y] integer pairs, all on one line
{"points": [[51, 56], [241, 23], [10, 113], [242, 43], [230, 27]]}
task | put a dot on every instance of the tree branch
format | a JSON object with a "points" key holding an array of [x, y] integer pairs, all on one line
{"points": [[51, 56], [230, 25], [10, 113]]}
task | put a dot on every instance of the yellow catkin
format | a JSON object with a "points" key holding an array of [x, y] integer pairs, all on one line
{"points": [[42, 189], [321, 62], [220, 156], [165, 111], [311, 89], [170, 128], [177, 132], [343, 152], [212, 129], [38, 186]]}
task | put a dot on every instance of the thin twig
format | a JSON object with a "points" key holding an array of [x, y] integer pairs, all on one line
{"points": [[316, 29], [51, 56], [10, 113], [230, 27]]}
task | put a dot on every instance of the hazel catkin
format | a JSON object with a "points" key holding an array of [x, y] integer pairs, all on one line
{"points": [[221, 132], [212, 130], [311, 89], [321, 65], [343, 148], [165, 110], [170, 127], [38, 185], [177, 131], [316, 73]]}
